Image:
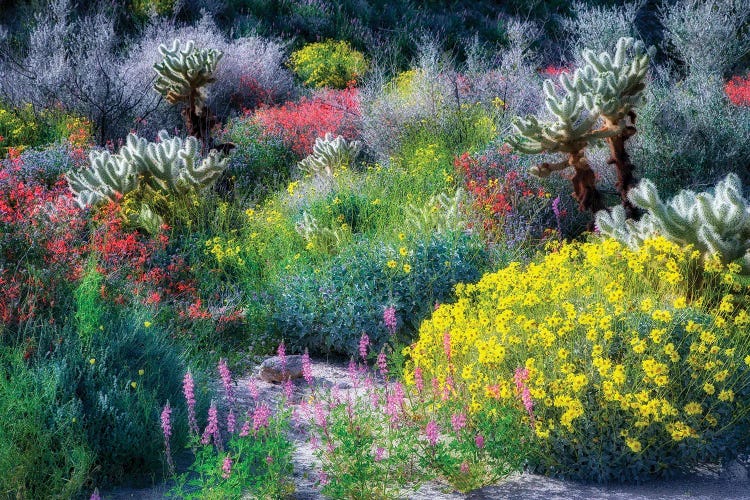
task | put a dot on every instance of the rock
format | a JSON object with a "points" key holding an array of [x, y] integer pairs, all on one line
{"points": [[272, 371], [734, 471]]}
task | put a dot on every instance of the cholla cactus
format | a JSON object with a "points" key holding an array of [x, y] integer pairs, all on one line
{"points": [[322, 239], [329, 155], [440, 214], [182, 75], [169, 166], [716, 223], [184, 72], [605, 90]]}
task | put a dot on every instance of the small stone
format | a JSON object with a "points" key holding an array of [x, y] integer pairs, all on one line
{"points": [[272, 371]]}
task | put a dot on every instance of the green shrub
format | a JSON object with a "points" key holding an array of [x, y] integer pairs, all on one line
{"points": [[43, 449], [326, 308], [328, 64]]}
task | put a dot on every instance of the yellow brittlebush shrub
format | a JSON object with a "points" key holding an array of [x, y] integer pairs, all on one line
{"points": [[624, 371]]}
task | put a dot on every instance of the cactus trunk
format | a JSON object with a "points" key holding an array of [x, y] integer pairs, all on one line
{"points": [[584, 184], [624, 168]]}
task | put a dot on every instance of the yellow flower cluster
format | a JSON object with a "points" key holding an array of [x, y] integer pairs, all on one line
{"points": [[609, 336], [226, 251]]}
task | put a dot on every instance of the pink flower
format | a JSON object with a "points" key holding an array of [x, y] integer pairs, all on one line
{"points": [[288, 389], [464, 468], [245, 431], [226, 379], [447, 344], [458, 422], [95, 495], [479, 441], [364, 342], [320, 416], [212, 427], [231, 422], [188, 388], [166, 428], [418, 380], [395, 401], [389, 318], [382, 364], [379, 452], [226, 467], [520, 377], [322, 478], [281, 353], [307, 368], [432, 432], [261, 416], [253, 390], [353, 373]]}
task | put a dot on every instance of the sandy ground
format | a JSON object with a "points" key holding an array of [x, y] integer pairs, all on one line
{"points": [[704, 485]]}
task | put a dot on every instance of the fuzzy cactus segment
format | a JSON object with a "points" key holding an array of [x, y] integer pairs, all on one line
{"points": [[329, 155], [184, 71], [170, 166], [717, 223]]}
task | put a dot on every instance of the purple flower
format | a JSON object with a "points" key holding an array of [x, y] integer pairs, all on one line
{"points": [[479, 441], [418, 380], [464, 468], [253, 389], [382, 363], [458, 421], [389, 318], [288, 389], [226, 379], [245, 431], [364, 343], [212, 427], [307, 367], [188, 388], [261, 416], [353, 373], [226, 467], [166, 428], [320, 416], [395, 401], [322, 478], [281, 353], [95, 495], [432, 432], [379, 452], [447, 344], [231, 422]]}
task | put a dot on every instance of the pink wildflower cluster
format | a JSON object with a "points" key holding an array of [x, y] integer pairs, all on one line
{"points": [[520, 377]]}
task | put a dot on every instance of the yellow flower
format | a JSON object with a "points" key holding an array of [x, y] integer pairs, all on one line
{"points": [[726, 395], [392, 264], [402, 251], [693, 408], [147, 324], [141, 372], [634, 445], [401, 236], [709, 388], [407, 268], [92, 361], [679, 303], [133, 384]]}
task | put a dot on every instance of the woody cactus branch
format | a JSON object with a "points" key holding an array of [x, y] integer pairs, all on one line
{"points": [[598, 103]]}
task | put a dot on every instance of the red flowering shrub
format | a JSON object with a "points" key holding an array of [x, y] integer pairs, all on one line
{"points": [[554, 71], [738, 91], [300, 123], [504, 200]]}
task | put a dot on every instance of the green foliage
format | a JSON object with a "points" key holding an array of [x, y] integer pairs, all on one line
{"points": [[326, 308], [89, 309], [43, 449], [144, 8], [260, 163], [328, 64], [441, 214], [716, 223], [261, 465]]}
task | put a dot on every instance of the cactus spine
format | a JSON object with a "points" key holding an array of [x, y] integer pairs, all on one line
{"points": [[717, 223], [603, 93]]}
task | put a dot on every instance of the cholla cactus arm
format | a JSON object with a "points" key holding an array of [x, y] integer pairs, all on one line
{"points": [[107, 177], [203, 174], [184, 71], [440, 214], [329, 155], [715, 222]]}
